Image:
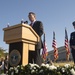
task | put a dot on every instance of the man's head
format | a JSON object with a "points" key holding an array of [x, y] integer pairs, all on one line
{"points": [[32, 16], [74, 24]]}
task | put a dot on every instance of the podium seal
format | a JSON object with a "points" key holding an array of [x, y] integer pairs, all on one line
{"points": [[14, 57]]}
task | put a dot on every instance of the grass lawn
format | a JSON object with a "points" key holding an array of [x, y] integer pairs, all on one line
{"points": [[63, 63]]}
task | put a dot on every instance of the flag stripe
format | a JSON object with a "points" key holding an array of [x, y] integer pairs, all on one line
{"points": [[67, 45], [44, 51], [54, 45]]}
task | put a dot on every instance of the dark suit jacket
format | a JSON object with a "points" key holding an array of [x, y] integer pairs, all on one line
{"points": [[72, 43], [38, 28], [72, 39], [35, 55]]}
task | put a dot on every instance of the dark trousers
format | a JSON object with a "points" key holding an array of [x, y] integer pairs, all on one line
{"points": [[34, 57], [73, 54]]}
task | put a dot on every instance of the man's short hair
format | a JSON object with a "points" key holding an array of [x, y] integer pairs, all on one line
{"points": [[32, 13], [73, 23]]}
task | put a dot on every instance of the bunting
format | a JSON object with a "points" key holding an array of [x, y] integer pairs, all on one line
{"points": [[44, 51], [54, 45], [67, 45]]}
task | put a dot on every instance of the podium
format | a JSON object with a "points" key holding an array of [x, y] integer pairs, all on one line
{"points": [[21, 38]]}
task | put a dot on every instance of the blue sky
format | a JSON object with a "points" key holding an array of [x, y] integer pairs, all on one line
{"points": [[55, 15]]}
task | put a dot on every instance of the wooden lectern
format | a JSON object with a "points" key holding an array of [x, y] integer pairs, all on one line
{"points": [[21, 38]]}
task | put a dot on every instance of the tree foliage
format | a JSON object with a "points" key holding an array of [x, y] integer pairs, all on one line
{"points": [[2, 52]]}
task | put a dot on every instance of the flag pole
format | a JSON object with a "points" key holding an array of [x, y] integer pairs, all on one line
{"points": [[54, 45], [44, 50], [67, 45]]}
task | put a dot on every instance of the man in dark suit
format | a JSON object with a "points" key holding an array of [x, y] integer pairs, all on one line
{"points": [[72, 42], [34, 56]]}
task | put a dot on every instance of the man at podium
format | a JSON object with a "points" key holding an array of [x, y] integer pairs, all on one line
{"points": [[34, 56]]}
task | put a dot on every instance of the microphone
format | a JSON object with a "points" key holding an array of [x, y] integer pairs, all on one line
{"points": [[25, 22], [22, 21], [8, 25]]}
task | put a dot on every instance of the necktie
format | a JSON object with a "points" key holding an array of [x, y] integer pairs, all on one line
{"points": [[31, 24]]}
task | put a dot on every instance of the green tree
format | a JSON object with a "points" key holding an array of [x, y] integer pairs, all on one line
{"points": [[2, 52]]}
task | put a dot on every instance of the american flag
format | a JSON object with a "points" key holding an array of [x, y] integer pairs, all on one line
{"points": [[67, 45], [54, 45], [44, 51]]}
